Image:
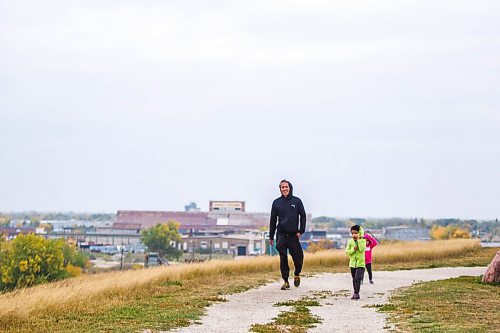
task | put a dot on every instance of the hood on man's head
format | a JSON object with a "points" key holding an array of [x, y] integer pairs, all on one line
{"points": [[289, 185]]}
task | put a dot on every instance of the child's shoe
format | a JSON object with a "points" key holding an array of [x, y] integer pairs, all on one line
{"points": [[356, 296], [371, 281]]}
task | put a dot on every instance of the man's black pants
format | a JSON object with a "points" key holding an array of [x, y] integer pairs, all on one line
{"points": [[291, 243], [357, 276]]}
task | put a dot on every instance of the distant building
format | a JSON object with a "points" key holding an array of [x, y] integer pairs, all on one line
{"points": [[236, 244], [12, 232], [226, 206], [339, 236], [194, 221], [101, 236], [147, 219], [191, 207], [312, 236], [405, 233], [227, 228]]}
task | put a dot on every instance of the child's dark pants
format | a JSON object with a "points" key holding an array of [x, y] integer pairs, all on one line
{"points": [[369, 270], [291, 243], [357, 276]]}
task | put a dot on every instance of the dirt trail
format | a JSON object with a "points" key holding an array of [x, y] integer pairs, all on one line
{"points": [[337, 311]]}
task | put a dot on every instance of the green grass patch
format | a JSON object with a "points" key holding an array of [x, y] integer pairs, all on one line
{"points": [[297, 320], [323, 294], [305, 301], [381, 307], [463, 304], [387, 307]]}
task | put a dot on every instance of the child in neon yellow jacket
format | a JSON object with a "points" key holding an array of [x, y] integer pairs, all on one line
{"points": [[356, 251]]}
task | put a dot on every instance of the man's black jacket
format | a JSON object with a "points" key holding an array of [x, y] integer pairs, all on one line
{"points": [[286, 211]]}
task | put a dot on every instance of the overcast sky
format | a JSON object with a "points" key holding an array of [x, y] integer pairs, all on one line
{"points": [[370, 108]]}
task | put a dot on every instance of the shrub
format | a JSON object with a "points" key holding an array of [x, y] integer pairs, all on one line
{"points": [[449, 232], [323, 244], [29, 259], [73, 271]]}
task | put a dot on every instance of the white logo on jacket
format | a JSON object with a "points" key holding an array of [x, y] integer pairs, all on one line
{"points": [[293, 205]]}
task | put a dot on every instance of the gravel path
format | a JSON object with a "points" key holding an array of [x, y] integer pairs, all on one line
{"points": [[337, 311]]}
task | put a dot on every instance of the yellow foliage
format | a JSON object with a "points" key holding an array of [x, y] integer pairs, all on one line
{"points": [[438, 232], [73, 270], [23, 265], [461, 233], [31, 259], [323, 244], [448, 232]]}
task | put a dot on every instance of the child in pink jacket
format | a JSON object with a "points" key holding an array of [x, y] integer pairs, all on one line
{"points": [[371, 242]]}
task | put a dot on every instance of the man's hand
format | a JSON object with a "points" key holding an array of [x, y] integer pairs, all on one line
{"points": [[355, 248], [271, 242], [299, 234]]}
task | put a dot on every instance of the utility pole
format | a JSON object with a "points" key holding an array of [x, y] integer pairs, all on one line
{"points": [[121, 257], [210, 257], [193, 251]]}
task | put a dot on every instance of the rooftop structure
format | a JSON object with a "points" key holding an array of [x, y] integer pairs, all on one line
{"points": [[219, 220], [148, 219], [191, 207], [226, 206]]}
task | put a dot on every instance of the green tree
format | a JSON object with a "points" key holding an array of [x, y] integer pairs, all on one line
{"points": [[163, 238], [74, 257], [47, 226], [35, 221], [4, 219]]}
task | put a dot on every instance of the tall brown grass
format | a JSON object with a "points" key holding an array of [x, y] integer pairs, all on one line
{"points": [[86, 292]]}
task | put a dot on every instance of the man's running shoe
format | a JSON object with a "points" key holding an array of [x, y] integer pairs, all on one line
{"points": [[296, 281]]}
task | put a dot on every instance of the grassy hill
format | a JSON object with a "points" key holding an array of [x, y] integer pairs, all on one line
{"points": [[166, 297]]}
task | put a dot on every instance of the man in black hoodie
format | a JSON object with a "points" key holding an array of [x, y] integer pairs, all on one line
{"points": [[289, 214]]}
